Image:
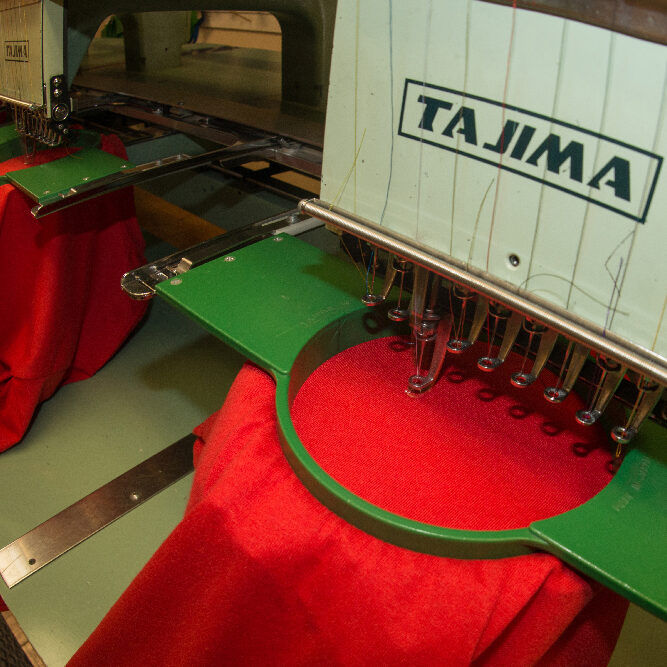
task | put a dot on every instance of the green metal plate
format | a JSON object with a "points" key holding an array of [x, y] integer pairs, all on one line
{"points": [[270, 299], [10, 142], [619, 537], [46, 182]]}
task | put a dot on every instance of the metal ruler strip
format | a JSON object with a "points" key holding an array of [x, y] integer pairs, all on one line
{"points": [[84, 518]]}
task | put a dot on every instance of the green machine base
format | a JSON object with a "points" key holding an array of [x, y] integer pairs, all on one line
{"points": [[289, 307]]}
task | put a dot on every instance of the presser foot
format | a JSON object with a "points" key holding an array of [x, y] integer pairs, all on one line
{"points": [[456, 345], [398, 314], [488, 364], [622, 435], [418, 384], [555, 395], [587, 417], [522, 379], [372, 300]]}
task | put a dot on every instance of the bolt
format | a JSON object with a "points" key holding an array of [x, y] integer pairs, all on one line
{"points": [[60, 112]]}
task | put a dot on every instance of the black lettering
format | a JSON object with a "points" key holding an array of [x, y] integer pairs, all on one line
{"points": [[522, 142], [621, 180], [505, 138], [574, 152], [468, 129], [432, 106]]}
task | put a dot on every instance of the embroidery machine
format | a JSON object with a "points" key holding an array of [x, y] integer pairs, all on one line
{"points": [[505, 164], [492, 147]]}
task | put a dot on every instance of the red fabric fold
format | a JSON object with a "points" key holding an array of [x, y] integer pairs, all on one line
{"points": [[258, 572], [62, 312]]}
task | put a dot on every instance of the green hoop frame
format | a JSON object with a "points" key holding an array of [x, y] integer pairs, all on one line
{"points": [[289, 307]]}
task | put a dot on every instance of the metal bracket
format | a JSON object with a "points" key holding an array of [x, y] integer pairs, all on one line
{"points": [[150, 170], [140, 283]]}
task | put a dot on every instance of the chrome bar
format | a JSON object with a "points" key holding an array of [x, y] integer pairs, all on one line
{"points": [[637, 358], [149, 171], [20, 103]]}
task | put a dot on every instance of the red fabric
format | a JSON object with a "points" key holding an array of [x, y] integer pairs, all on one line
{"points": [[3, 606], [474, 452], [62, 312], [259, 573]]}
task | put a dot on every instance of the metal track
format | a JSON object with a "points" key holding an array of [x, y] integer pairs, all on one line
{"points": [[79, 521]]}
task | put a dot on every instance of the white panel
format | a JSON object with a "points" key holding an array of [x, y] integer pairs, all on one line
{"points": [[53, 32], [613, 247], [531, 84], [340, 127], [475, 186], [580, 101], [21, 62], [579, 191]]}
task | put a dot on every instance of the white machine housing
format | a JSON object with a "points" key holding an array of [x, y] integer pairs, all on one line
{"points": [[32, 51], [526, 145]]}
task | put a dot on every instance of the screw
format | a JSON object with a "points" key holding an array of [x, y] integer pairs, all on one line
{"points": [[175, 281], [514, 260], [277, 238], [229, 258]]}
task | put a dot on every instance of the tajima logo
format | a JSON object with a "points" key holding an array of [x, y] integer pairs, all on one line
{"points": [[16, 51], [585, 164]]}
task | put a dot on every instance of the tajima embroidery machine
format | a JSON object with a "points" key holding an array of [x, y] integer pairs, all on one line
{"points": [[510, 159]]}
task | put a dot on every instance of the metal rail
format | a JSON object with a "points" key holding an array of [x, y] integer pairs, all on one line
{"points": [[151, 170], [140, 283], [20, 103]]}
